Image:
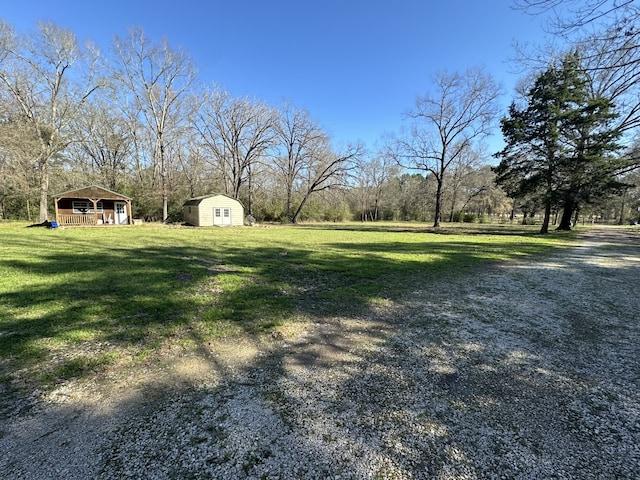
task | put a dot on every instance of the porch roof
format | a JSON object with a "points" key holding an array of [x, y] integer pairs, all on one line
{"points": [[92, 191]]}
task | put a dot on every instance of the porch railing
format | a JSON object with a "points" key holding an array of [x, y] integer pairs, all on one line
{"points": [[77, 219]]}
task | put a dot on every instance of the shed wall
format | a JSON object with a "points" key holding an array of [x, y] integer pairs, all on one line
{"points": [[202, 214], [191, 215]]}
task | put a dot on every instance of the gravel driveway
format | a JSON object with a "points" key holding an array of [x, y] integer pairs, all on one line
{"points": [[526, 370]]}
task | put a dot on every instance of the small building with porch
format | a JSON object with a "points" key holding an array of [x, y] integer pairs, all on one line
{"points": [[213, 210], [92, 205]]}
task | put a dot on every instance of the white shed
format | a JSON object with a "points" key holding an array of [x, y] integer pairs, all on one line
{"points": [[210, 210]]}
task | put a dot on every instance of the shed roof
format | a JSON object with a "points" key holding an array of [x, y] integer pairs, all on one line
{"points": [[92, 191], [197, 200]]}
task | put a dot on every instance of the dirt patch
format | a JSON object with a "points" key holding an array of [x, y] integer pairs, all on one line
{"points": [[526, 369]]}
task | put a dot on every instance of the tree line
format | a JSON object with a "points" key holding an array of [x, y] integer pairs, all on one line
{"points": [[140, 122]]}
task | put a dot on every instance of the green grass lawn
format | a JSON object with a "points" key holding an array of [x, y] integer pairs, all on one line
{"points": [[75, 300]]}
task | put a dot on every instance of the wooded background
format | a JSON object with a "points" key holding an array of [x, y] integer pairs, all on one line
{"points": [[136, 119]]}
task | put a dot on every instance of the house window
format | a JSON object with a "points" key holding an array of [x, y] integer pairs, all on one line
{"points": [[82, 206], [217, 212]]}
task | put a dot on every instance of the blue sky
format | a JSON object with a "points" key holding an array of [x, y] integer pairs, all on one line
{"points": [[356, 65]]}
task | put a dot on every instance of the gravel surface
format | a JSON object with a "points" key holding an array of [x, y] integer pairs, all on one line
{"points": [[526, 370]]}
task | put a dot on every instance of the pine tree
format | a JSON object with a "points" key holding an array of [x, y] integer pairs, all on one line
{"points": [[560, 148], [590, 170]]}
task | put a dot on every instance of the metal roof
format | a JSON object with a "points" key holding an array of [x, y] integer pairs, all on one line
{"points": [[91, 191], [196, 200]]}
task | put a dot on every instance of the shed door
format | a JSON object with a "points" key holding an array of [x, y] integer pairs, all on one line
{"points": [[120, 209], [221, 216]]}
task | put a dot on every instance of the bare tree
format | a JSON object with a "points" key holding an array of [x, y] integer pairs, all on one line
{"points": [[238, 133], [480, 194], [567, 17], [299, 141], [372, 176], [459, 112], [194, 168], [612, 68], [326, 170], [605, 35], [461, 172], [105, 144], [49, 77], [158, 77], [193, 165], [18, 178]]}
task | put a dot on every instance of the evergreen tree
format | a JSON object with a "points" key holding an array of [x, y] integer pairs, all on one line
{"points": [[590, 170], [560, 148]]}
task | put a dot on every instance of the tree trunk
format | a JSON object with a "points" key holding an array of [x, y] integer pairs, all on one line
{"points": [[44, 191], [289, 198], [294, 217], [547, 217], [567, 215], [165, 208], [438, 209], [565, 221], [249, 199], [453, 204], [165, 199], [621, 218], [163, 179]]}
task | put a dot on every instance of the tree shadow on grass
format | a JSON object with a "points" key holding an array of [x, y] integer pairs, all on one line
{"points": [[120, 297], [463, 229]]}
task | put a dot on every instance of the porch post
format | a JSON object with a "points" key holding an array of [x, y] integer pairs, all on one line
{"points": [[55, 205], [95, 210]]}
